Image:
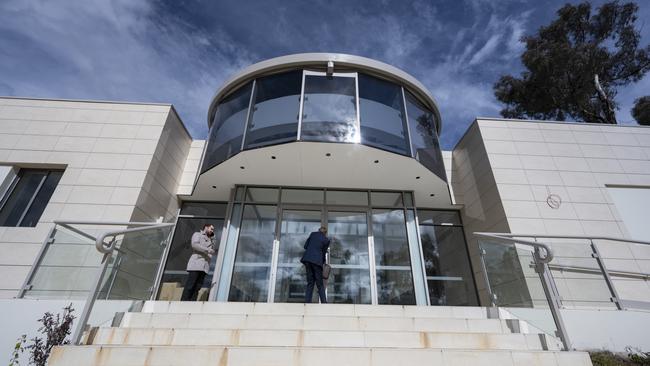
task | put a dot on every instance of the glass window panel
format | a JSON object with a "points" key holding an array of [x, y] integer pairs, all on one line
{"points": [[41, 200], [204, 209], [175, 275], [227, 129], [430, 217], [386, 199], [408, 199], [329, 110], [229, 251], [20, 196], [261, 194], [302, 196], [274, 116], [347, 198], [449, 275], [295, 229], [251, 273], [349, 280], [392, 258], [239, 194], [424, 140], [383, 123]]}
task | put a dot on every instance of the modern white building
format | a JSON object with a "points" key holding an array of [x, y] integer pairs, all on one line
{"points": [[523, 234]]}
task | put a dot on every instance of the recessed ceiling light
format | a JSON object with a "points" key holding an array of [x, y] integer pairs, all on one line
{"points": [[273, 157], [214, 186], [328, 154], [241, 167], [376, 161], [417, 177]]}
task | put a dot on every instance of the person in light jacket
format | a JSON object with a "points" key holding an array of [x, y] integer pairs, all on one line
{"points": [[313, 259], [199, 263]]}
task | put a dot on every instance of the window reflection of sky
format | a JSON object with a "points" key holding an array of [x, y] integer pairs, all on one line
{"points": [[329, 113]]}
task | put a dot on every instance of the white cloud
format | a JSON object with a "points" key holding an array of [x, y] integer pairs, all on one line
{"points": [[117, 50], [488, 48]]}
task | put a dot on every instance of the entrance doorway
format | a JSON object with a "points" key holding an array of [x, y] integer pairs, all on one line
{"points": [[374, 254]]}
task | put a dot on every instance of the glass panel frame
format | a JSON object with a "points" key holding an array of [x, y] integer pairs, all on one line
{"points": [[269, 105], [383, 115], [356, 135], [217, 149]]}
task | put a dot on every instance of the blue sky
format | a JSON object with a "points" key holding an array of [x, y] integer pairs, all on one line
{"points": [[180, 52]]}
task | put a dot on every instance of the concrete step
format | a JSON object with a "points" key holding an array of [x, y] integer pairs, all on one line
{"points": [[294, 356], [320, 338], [242, 308], [315, 322]]}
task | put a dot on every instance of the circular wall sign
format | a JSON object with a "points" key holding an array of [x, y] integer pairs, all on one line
{"points": [[554, 201]]}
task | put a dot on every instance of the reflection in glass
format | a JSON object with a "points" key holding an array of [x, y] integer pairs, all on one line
{"points": [[432, 217], [392, 258], [262, 195], [227, 127], [349, 280], [449, 275], [386, 199], [424, 140], [383, 123], [41, 199], [356, 198], [174, 274], [302, 196], [274, 116], [217, 209], [294, 231], [329, 110], [250, 277]]}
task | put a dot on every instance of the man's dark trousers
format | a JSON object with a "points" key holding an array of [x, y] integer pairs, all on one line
{"points": [[192, 285], [314, 276]]}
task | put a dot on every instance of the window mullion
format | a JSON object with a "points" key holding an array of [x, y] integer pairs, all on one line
{"points": [[31, 200]]}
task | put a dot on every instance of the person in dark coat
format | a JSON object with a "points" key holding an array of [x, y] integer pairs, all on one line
{"points": [[313, 259]]}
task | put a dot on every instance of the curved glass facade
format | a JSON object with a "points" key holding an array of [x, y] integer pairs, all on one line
{"points": [[301, 105]]}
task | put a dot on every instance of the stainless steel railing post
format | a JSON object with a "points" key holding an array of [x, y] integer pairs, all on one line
{"points": [[608, 279], [552, 299]]}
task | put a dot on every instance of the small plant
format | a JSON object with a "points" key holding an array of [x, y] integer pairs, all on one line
{"points": [[55, 329], [638, 357], [18, 349], [634, 358]]}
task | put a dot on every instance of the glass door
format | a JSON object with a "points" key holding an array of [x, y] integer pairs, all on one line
{"points": [[349, 281], [290, 280]]}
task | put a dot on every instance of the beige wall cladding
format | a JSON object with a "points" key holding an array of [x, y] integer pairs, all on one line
{"points": [[530, 160], [474, 186], [158, 197], [121, 161], [191, 167]]}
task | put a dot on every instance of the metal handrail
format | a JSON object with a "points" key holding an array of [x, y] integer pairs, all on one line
{"points": [[102, 248], [107, 251], [544, 274], [507, 237], [639, 275], [546, 236], [543, 266]]}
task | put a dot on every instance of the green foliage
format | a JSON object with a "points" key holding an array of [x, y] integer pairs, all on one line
{"points": [[575, 65], [641, 110], [19, 347], [55, 329], [634, 358]]}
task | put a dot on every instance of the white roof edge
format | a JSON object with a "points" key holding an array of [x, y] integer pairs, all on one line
{"points": [[558, 122], [84, 100], [307, 59]]}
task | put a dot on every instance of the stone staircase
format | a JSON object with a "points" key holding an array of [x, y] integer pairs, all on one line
{"points": [[237, 334]]}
